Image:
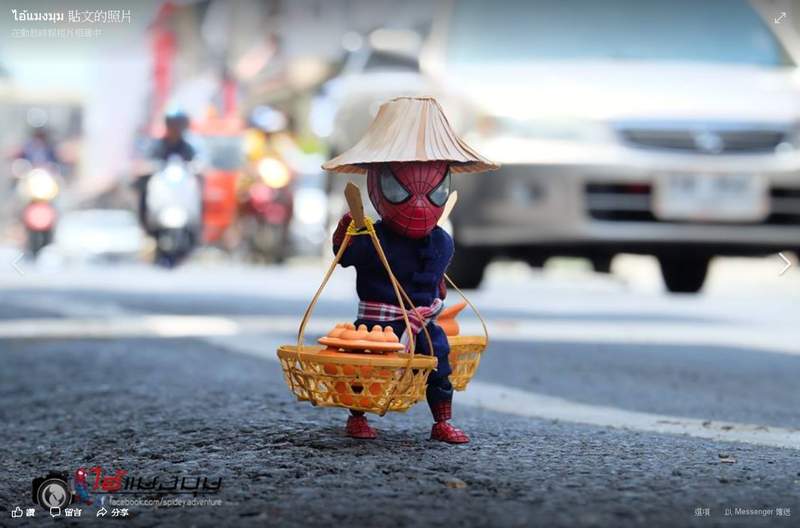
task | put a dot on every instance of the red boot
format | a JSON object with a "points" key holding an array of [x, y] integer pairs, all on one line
{"points": [[357, 427], [442, 430]]}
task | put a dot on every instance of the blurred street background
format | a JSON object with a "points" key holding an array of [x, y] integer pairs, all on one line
{"points": [[165, 222]]}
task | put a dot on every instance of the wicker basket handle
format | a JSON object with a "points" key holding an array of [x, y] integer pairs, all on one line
{"points": [[353, 197], [307, 315], [448, 208], [461, 293]]}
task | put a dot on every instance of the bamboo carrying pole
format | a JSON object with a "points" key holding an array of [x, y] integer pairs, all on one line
{"points": [[448, 208], [353, 196]]}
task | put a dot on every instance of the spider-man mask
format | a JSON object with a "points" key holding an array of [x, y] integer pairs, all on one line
{"points": [[409, 196]]}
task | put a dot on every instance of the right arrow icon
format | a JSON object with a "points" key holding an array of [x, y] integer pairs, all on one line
{"points": [[788, 264]]}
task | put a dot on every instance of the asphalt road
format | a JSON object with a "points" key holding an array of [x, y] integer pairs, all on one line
{"points": [[572, 414]]}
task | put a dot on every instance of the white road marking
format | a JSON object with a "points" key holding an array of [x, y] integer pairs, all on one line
{"points": [[523, 403], [118, 327], [519, 402], [238, 334], [775, 339]]}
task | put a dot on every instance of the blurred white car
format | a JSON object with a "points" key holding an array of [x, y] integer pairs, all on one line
{"points": [[97, 235], [664, 128], [376, 68], [379, 67]]}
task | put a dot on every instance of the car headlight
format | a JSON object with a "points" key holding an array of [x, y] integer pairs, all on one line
{"points": [[793, 138], [41, 185], [790, 143], [274, 173], [174, 172], [173, 217]]}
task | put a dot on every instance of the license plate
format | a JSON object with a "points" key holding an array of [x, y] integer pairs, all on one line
{"points": [[720, 197]]}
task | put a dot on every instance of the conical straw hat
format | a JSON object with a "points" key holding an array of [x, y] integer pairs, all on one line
{"points": [[410, 129]]}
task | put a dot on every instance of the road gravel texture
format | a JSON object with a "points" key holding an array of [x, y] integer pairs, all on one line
{"points": [[182, 406]]}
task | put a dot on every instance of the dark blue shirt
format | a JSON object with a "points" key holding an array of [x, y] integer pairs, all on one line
{"points": [[419, 265]]}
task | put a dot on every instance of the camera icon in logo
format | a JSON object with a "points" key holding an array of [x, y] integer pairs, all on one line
{"points": [[51, 491]]}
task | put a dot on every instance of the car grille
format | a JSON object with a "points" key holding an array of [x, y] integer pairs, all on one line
{"points": [[632, 203], [705, 140]]}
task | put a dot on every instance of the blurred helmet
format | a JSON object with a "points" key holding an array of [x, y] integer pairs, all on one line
{"points": [[176, 118]]}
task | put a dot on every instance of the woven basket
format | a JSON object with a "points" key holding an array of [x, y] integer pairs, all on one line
{"points": [[370, 383], [465, 355]]}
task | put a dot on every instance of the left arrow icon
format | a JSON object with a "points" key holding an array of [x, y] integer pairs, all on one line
{"points": [[15, 264], [788, 264]]}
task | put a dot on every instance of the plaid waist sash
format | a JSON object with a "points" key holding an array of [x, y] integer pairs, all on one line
{"points": [[384, 312]]}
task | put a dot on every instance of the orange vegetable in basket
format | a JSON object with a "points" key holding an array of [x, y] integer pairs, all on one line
{"points": [[447, 319], [346, 337], [339, 329], [361, 334]]}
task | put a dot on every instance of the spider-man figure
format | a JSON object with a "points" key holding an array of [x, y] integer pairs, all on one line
{"points": [[408, 153], [410, 198], [82, 487]]}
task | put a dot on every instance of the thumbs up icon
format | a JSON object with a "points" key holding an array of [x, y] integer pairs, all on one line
{"points": [[16, 512]]}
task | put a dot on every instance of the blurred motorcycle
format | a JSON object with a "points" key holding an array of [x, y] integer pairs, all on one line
{"points": [[267, 211], [221, 141], [38, 189], [174, 198]]}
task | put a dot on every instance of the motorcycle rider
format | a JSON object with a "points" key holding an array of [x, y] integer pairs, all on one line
{"points": [[38, 185], [39, 149], [174, 142]]}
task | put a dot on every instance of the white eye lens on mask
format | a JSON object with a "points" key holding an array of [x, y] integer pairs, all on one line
{"points": [[439, 195], [392, 189]]}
